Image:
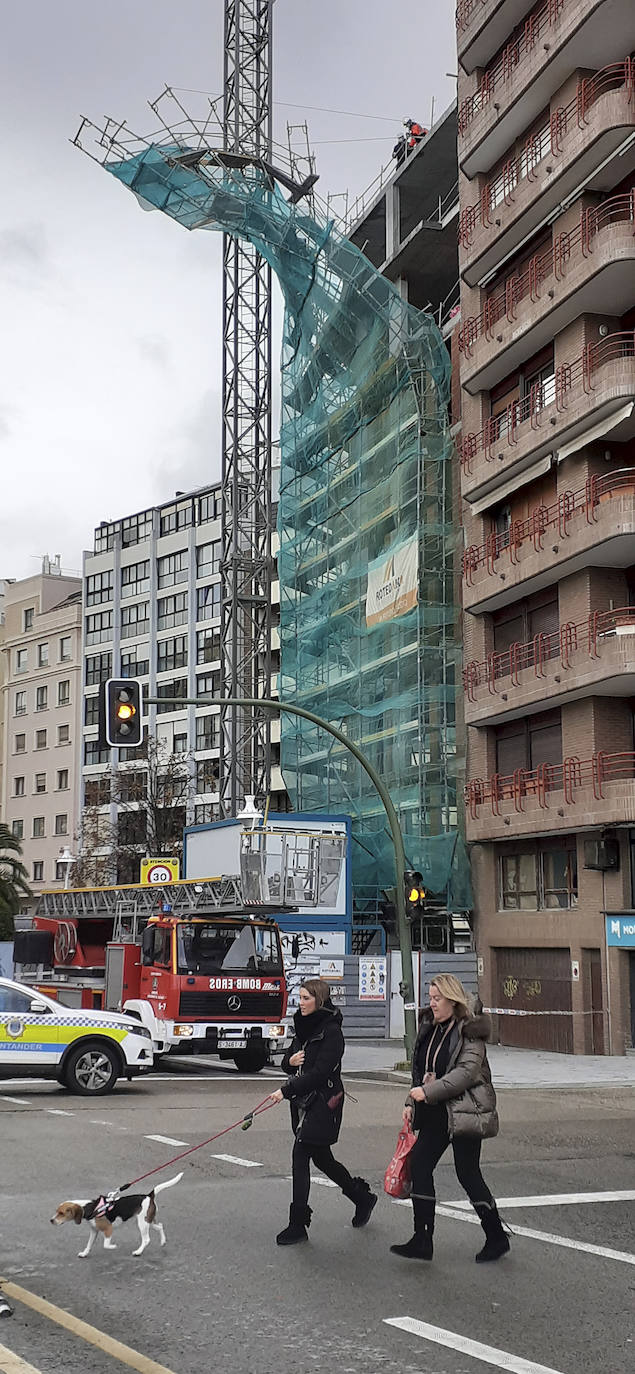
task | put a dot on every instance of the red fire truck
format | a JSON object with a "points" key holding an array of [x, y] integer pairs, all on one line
{"points": [[200, 969]]}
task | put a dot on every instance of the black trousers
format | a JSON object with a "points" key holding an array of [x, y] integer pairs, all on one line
{"points": [[432, 1142], [323, 1159]]}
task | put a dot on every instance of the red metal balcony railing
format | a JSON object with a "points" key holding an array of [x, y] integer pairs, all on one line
{"points": [[569, 777], [550, 264], [465, 11], [587, 637], [513, 55], [549, 141], [554, 390], [569, 506]]}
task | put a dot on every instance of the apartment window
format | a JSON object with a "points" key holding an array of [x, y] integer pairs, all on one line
{"points": [[172, 611], [21, 660], [540, 879], [19, 744], [41, 698], [133, 666], [105, 537], [136, 528], [530, 742], [135, 620], [207, 775], [207, 732], [177, 688], [40, 782], [97, 791], [98, 627], [64, 692], [209, 507], [177, 517], [135, 579], [28, 619], [42, 655], [66, 648], [208, 558], [172, 653], [132, 786], [208, 685], [38, 871], [208, 602], [173, 568], [18, 787], [98, 669], [63, 734], [17, 829], [559, 877], [99, 587], [91, 710], [205, 813], [207, 646], [61, 825], [62, 780], [40, 739], [38, 827], [19, 708], [94, 754], [179, 743]]}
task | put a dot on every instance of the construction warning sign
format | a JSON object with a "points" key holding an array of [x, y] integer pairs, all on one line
{"points": [[372, 979]]}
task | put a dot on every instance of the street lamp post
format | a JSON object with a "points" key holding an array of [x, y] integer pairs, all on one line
{"points": [[403, 928], [65, 857]]}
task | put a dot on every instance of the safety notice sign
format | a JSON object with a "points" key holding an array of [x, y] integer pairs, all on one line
{"points": [[372, 978]]}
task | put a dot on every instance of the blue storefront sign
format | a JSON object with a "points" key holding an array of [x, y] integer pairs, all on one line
{"points": [[620, 931]]}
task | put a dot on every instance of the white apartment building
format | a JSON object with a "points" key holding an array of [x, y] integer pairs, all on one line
{"points": [[41, 710]]}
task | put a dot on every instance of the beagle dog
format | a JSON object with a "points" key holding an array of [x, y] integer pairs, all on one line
{"points": [[103, 1214]]}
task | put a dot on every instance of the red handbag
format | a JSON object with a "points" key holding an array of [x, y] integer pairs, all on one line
{"points": [[397, 1176]]}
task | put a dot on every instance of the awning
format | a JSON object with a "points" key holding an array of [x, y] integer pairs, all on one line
{"points": [[596, 431], [506, 488]]}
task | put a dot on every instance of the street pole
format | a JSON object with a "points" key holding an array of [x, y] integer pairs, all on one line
{"points": [[403, 928]]}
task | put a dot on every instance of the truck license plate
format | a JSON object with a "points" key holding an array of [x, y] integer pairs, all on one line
{"points": [[232, 1044]]}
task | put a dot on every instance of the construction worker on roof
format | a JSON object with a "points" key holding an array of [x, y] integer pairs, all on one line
{"points": [[415, 133]]}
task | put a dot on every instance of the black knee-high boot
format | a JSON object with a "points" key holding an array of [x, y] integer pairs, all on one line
{"points": [[496, 1241], [420, 1245]]}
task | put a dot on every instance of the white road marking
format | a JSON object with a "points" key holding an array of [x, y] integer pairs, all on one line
{"points": [[13, 1364], [166, 1140], [554, 1200], [57, 1111], [19, 1101], [323, 1182], [488, 1354], [95, 1121], [547, 1237], [233, 1159]]}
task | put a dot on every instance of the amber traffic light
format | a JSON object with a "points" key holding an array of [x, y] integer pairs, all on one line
{"points": [[120, 713], [415, 893]]}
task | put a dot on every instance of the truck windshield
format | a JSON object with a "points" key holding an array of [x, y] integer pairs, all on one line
{"points": [[223, 948]]}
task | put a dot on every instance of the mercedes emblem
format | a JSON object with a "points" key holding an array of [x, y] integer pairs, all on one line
{"points": [[234, 1003]]}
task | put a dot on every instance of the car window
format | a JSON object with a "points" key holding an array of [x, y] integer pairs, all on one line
{"points": [[13, 1000]]}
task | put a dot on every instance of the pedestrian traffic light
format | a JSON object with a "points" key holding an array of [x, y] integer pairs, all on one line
{"points": [[415, 894], [120, 715]]}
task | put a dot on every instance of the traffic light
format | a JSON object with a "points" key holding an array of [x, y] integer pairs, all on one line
{"points": [[415, 894], [120, 716]]}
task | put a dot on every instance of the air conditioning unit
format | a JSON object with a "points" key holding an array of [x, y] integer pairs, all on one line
{"points": [[602, 853]]}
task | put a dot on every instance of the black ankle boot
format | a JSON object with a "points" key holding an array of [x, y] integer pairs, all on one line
{"points": [[296, 1231], [364, 1201], [496, 1241], [420, 1246]]}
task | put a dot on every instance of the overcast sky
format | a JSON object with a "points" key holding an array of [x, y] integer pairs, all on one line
{"points": [[110, 338]]}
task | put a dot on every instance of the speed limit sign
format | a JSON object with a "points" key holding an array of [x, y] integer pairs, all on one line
{"points": [[154, 872]]}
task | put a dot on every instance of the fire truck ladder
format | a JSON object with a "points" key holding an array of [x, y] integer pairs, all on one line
{"points": [[189, 897]]}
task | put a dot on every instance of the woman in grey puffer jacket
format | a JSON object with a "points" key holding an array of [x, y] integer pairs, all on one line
{"points": [[452, 1101]]}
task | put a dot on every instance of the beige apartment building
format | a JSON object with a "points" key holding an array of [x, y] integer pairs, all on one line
{"points": [[41, 707], [546, 147]]}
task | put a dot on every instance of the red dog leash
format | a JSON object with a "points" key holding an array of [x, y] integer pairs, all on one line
{"points": [[244, 1122]]}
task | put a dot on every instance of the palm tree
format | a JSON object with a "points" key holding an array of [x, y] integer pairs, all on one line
{"points": [[13, 884]]}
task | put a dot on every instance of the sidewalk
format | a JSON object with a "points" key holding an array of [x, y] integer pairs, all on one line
{"points": [[511, 1068]]}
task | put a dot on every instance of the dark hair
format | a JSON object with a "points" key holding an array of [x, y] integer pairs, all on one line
{"points": [[318, 989]]}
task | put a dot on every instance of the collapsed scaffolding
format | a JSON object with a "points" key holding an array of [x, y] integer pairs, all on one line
{"points": [[366, 559]]}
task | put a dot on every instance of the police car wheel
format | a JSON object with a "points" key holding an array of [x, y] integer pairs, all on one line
{"points": [[251, 1061], [92, 1069]]}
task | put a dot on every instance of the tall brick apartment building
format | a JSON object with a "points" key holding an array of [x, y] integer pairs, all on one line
{"points": [[547, 367]]}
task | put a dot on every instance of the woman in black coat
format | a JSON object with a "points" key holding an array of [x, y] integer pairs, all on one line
{"points": [[316, 1095]]}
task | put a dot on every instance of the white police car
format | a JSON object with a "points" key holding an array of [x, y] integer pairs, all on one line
{"points": [[87, 1051]]}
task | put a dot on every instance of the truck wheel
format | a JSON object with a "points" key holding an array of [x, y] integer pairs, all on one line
{"points": [[251, 1060], [92, 1069]]}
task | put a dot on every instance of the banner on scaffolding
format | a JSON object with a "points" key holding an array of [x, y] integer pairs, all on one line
{"points": [[392, 583]]}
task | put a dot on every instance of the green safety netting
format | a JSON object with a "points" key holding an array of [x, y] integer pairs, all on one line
{"points": [[368, 619]]}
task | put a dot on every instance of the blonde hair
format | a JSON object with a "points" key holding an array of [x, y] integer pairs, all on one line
{"points": [[449, 986], [318, 989]]}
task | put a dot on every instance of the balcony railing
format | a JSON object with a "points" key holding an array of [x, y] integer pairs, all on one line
{"points": [[553, 390], [512, 57], [465, 11], [586, 638], [569, 506], [548, 141], [552, 263], [569, 777]]}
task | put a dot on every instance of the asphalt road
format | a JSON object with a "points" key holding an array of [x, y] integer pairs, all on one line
{"points": [[221, 1296]]}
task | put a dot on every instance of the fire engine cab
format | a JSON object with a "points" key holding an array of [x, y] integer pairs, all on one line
{"points": [[202, 971]]}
